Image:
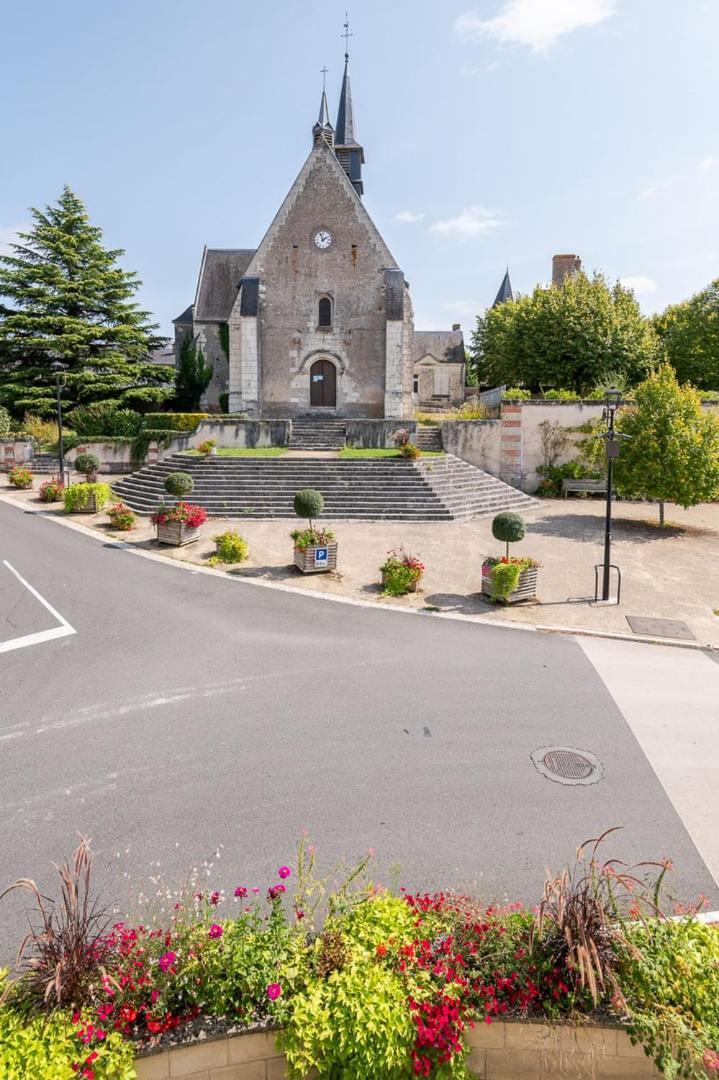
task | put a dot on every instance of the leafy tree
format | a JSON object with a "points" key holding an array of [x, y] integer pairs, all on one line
{"points": [[192, 376], [672, 454], [572, 336], [690, 335], [67, 300]]}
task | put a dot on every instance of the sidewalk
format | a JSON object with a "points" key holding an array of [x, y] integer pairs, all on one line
{"points": [[670, 573]]}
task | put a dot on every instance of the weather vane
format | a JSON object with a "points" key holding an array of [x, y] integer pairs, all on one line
{"points": [[347, 35]]}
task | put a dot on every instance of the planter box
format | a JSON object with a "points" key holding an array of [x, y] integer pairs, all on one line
{"points": [[526, 586], [410, 588], [177, 533], [90, 506], [308, 562]]}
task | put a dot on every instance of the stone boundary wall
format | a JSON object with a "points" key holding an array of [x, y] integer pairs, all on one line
{"points": [[377, 434], [14, 452], [499, 1051]]}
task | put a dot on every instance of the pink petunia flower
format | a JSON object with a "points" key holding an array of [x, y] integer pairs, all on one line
{"points": [[166, 961], [215, 931], [215, 899], [273, 991], [284, 872], [240, 891]]}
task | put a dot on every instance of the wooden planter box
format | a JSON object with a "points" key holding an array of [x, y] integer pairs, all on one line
{"points": [[410, 588], [90, 506], [177, 533], [307, 560], [526, 586]]}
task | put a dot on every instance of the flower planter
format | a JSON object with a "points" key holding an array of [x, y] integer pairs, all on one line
{"points": [[526, 586], [90, 506], [412, 587], [307, 561], [177, 533]]}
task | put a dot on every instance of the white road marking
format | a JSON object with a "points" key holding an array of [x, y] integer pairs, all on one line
{"points": [[670, 699], [63, 630]]}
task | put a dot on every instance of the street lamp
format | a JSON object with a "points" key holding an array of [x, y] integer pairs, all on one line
{"points": [[59, 371], [612, 397]]}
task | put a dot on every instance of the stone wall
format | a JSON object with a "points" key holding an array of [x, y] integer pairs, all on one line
{"points": [[377, 434], [240, 433], [477, 441], [14, 452], [499, 1051]]}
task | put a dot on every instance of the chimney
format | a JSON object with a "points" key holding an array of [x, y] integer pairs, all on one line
{"points": [[564, 266], [456, 326]]}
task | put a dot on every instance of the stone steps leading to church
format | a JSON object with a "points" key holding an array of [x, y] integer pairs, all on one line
{"points": [[441, 489]]}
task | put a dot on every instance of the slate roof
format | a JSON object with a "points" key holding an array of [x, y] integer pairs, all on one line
{"points": [[345, 128], [220, 275], [506, 292], [186, 316], [446, 346]]}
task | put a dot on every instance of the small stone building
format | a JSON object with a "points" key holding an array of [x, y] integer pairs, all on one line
{"points": [[318, 319]]}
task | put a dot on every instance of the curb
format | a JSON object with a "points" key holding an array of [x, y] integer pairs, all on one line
{"points": [[481, 620]]}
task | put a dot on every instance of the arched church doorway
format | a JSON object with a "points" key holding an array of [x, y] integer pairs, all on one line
{"points": [[323, 384]]}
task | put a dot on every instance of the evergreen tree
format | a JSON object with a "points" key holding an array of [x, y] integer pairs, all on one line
{"points": [[66, 299], [690, 335], [192, 376], [672, 454], [567, 337]]}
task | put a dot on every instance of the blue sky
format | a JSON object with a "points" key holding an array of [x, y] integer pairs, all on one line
{"points": [[497, 132]]}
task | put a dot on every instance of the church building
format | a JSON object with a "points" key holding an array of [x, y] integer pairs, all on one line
{"points": [[318, 319]]}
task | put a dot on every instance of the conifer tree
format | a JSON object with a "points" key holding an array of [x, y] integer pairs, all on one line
{"points": [[192, 376], [64, 298], [672, 453]]}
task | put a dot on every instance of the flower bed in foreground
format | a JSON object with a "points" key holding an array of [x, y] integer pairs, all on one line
{"points": [[366, 984]]}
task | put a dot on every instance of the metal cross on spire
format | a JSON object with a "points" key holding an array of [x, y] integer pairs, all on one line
{"points": [[324, 71], [347, 35]]}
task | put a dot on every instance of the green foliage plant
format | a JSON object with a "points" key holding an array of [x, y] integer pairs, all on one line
{"points": [[40, 430], [553, 475], [122, 517], [192, 375], [87, 464], [5, 423], [401, 572], [508, 527], [51, 491], [77, 496], [206, 446], [516, 393], [672, 450], [230, 547], [179, 484], [410, 451], [689, 333], [174, 421], [20, 477], [105, 419], [65, 295]]}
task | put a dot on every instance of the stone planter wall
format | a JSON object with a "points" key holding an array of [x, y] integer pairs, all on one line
{"points": [[499, 1051]]}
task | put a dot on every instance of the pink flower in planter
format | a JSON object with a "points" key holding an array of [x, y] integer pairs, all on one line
{"points": [[284, 872], [240, 891], [215, 931], [273, 991], [166, 961], [215, 899], [711, 1060]]}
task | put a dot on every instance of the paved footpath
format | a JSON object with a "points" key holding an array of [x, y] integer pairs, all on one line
{"points": [[174, 711]]}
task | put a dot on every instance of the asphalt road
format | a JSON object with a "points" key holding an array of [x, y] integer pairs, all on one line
{"points": [[189, 711]]}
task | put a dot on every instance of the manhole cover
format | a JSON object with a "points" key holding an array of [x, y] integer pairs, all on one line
{"points": [[565, 765], [670, 628]]}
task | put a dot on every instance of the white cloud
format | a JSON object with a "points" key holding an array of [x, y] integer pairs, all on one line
{"points": [[8, 236], [473, 221], [709, 163], [408, 217], [462, 307], [639, 284], [536, 23], [659, 187]]}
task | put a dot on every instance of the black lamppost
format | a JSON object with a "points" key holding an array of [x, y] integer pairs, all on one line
{"points": [[612, 397], [59, 370]]}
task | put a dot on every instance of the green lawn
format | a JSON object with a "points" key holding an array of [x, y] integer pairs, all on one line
{"points": [[233, 451], [350, 453]]}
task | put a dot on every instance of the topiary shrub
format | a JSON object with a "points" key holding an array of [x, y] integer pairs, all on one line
{"points": [[309, 504], [179, 484], [508, 527], [88, 464]]}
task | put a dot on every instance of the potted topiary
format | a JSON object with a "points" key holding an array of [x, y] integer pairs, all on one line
{"points": [[20, 477], [87, 464], [179, 524], [315, 547], [401, 572], [508, 579]]}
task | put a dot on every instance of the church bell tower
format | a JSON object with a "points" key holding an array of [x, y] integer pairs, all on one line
{"points": [[349, 152]]}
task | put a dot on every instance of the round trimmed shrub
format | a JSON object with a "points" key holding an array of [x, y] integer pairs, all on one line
{"points": [[508, 527], [88, 464], [308, 503], [179, 484]]}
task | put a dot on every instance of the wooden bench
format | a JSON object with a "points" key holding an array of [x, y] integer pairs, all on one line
{"points": [[596, 486]]}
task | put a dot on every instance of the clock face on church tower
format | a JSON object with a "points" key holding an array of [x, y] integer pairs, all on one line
{"points": [[322, 239]]}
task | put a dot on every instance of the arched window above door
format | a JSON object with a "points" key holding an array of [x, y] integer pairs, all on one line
{"points": [[325, 312]]}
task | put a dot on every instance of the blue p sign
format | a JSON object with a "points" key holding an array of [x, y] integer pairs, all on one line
{"points": [[322, 556]]}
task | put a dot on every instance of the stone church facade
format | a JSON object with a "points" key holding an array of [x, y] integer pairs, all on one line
{"points": [[318, 319]]}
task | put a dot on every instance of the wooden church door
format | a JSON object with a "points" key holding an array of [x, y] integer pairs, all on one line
{"points": [[323, 384]]}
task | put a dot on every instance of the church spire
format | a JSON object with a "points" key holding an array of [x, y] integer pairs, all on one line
{"points": [[323, 130], [349, 152], [506, 292]]}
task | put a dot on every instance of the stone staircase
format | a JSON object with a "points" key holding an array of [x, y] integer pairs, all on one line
{"points": [[440, 489], [45, 463], [428, 437], [318, 434]]}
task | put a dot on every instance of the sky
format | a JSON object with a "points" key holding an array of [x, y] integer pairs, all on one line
{"points": [[496, 132]]}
